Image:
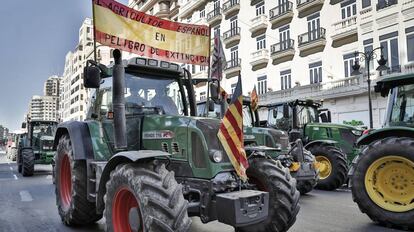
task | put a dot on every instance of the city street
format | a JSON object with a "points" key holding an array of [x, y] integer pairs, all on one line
{"points": [[28, 204]]}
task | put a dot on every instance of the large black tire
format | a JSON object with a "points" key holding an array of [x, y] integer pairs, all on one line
{"points": [[305, 186], [19, 161], [153, 191], [386, 149], [72, 203], [269, 175], [339, 168], [28, 162]]}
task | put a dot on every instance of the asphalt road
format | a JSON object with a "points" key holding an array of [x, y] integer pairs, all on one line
{"points": [[28, 204]]}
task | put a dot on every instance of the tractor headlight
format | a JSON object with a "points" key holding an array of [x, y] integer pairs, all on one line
{"points": [[216, 156], [357, 132]]}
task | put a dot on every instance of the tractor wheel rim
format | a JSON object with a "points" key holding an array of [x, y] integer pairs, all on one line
{"points": [[126, 213], [65, 182], [325, 167], [389, 182]]}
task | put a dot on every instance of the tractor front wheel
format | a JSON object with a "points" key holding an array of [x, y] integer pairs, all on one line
{"points": [[270, 176], [144, 197], [383, 182], [28, 162], [332, 166], [70, 188]]}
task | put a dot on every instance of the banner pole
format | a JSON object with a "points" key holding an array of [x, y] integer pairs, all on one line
{"points": [[206, 108], [94, 31]]}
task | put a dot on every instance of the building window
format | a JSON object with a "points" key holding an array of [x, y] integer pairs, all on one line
{"points": [[202, 68], [389, 42], [314, 26], [216, 4], [366, 3], [260, 8], [233, 24], [349, 60], [410, 44], [233, 88], [262, 85], [285, 79], [234, 55], [202, 13], [284, 38], [348, 9], [193, 69], [216, 30], [315, 72], [261, 42]]}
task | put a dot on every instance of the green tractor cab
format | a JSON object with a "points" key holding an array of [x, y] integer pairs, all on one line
{"points": [[382, 175], [275, 143], [330, 143], [147, 162], [36, 146]]}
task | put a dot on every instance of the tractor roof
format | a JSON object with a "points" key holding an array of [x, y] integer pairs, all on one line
{"points": [[304, 102], [384, 85]]}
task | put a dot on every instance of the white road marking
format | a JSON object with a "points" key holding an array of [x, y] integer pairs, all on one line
{"points": [[49, 177], [15, 177], [11, 168], [25, 196]]}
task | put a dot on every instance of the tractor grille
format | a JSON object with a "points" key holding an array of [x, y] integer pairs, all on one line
{"points": [[175, 148], [164, 146], [210, 128]]}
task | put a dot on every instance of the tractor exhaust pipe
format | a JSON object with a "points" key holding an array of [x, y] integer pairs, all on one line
{"points": [[118, 101]]}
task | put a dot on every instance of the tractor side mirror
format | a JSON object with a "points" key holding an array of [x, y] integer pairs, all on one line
{"points": [[92, 77], [286, 111], [324, 117], [214, 91], [23, 125]]}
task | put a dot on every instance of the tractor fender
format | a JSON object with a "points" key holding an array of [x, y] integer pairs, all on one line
{"points": [[121, 158], [315, 142], [80, 139], [384, 133]]}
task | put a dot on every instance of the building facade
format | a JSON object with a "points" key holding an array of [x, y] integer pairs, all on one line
{"points": [[74, 98], [43, 108], [303, 48]]}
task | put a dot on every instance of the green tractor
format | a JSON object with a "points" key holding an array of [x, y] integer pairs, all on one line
{"points": [[382, 175], [333, 145], [145, 161], [301, 163], [36, 147]]}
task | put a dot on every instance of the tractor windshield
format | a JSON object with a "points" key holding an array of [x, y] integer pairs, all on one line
{"points": [[306, 114], [402, 106], [42, 131], [277, 120], [146, 95]]}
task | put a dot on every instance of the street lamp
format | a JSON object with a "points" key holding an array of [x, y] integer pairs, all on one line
{"points": [[368, 56]]}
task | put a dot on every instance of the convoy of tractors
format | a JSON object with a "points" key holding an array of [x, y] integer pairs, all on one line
{"points": [[147, 162]]}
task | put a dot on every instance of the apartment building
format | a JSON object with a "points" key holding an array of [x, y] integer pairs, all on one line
{"points": [[51, 86], [74, 98], [303, 48]]}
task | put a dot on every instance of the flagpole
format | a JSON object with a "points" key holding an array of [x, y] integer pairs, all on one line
{"points": [[94, 31], [206, 108]]}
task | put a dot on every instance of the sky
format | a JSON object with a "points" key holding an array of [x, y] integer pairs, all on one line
{"points": [[35, 36]]}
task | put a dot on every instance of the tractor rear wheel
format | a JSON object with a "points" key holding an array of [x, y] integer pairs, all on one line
{"points": [[144, 197], [383, 182], [305, 186], [332, 164], [270, 176], [19, 161], [70, 188], [28, 162]]}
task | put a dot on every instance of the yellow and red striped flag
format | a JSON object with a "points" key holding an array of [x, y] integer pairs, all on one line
{"points": [[223, 94], [231, 133], [254, 99]]}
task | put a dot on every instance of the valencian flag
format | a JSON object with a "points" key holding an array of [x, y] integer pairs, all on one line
{"points": [[231, 133], [254, 98], [124, 28], [218, 59], [223, 93]]}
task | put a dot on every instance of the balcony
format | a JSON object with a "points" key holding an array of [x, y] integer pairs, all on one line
{"points": [[345, 32], [231, 8], [307, 7], [258, 25], [382, 4], [312, 42], [231, 37], [259, 59], [283, 51], [333, 2], [281, 15], [214, 17], [232, 68], [187, 8]]}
